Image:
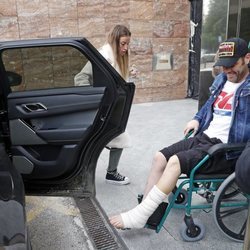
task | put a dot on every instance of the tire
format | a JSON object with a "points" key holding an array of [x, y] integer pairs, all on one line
{"points": [[181, 199], [230, 208], [200, 229]]}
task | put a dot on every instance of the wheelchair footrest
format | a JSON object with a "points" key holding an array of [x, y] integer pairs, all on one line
{"points": [[155, 219]]}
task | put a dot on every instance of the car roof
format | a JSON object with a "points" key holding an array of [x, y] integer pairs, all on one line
{"points": [[41, 41]]}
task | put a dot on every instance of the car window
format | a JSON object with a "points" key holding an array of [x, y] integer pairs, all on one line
{"points": [[207, 61], [43, 67]]}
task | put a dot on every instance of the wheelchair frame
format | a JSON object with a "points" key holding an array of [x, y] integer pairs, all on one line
{"points": [[215, 189]]}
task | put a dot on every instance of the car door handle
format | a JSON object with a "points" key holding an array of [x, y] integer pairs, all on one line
{"points": [[34, 107]]}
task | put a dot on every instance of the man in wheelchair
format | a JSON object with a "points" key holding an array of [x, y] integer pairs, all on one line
{"points": [[225, 117]]}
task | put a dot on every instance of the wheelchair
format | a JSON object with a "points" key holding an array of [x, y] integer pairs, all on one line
{"points": [[222, 196]]}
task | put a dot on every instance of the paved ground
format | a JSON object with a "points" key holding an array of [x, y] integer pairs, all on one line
{"points": [[55, 222], [153, 126]]}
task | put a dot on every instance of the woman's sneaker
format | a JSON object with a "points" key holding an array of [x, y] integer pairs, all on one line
{"points": [[115, 178]]}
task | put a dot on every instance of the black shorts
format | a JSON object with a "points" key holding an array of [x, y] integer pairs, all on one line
{"points": [[192, 150]]}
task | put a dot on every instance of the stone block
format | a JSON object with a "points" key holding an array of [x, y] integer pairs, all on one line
{"points": [[141, 10], [63, 27], [141, 28], [9, 28], [118, 9], [34, 27], [8, 8], [90, 8], [91, 27], [62, 8]]}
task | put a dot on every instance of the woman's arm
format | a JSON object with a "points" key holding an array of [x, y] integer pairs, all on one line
{"points": [[85, 76]]}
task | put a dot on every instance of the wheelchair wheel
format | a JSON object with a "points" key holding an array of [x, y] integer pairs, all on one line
{"points": [[231, 193], [181, 199], [230, 209], [186, 234]]}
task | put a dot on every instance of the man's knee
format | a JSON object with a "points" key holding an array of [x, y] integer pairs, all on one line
{"points": [[174, 164], [159, 157], [159, 161]]}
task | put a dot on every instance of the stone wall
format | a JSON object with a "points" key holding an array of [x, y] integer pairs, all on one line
{"points": [[156, 26]]}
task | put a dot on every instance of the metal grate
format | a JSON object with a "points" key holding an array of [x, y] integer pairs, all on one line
{"points": [[102, 235]]}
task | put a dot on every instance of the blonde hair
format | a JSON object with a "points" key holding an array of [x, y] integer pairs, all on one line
{"points": [[114, 41]]}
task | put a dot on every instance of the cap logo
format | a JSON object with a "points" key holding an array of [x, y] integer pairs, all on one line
{"points": [[226, 49]]}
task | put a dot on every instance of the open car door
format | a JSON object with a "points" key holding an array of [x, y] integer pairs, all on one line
{"points": [[54, 130]]}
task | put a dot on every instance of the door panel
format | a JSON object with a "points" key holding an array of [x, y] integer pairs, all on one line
{"points": [[53, 132], [64, 119]]}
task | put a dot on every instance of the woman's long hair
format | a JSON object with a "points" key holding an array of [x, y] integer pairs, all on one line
{"points": [[114, 41]]}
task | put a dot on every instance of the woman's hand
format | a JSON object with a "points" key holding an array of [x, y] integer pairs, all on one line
{"points": [[133, 71], [192, 125]]}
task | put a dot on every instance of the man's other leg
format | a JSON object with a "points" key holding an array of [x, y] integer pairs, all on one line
{"points": [[157, 168]]}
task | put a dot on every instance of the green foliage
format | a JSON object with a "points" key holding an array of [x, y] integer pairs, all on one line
{"points": [[214, 25]]}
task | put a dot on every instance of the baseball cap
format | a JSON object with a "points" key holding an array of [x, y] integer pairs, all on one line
{"points": [[242, 170], [230, 51]]}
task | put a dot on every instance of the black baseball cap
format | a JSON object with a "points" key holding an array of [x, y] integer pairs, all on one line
{"points": [[230, 51]]}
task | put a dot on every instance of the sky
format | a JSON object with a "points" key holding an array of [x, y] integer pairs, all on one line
{"points": [[205, 6]]}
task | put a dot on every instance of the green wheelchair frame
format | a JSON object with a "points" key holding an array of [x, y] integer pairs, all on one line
{"points": [[223, 197]]}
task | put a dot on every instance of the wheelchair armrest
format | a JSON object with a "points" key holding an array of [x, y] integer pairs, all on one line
{"points": [[189, 134], [226, 147]]}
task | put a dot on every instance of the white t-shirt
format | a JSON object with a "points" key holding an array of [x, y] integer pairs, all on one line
{"points": [[222, 115]]}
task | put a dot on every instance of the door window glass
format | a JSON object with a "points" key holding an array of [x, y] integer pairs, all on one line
{"points": [[43, 67]]}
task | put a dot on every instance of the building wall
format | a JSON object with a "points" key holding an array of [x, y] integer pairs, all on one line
{"points": [[157, 26]]}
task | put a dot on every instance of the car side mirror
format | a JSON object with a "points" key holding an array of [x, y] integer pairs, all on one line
{"points": [[14, 79]]}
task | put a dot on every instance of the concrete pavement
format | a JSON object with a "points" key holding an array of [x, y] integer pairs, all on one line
{"points": [[153, 126]]}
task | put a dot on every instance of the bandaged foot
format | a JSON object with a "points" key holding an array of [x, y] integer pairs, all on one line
{"points": [[138, 216]]}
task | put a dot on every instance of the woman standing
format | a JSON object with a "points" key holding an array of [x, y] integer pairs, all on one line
{"points": [[115, 51]]}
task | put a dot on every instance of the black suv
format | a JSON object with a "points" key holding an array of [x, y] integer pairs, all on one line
{"points": [[52, 132]]}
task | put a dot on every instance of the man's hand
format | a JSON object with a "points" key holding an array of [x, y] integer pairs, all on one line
{"points": [[192, 125]]}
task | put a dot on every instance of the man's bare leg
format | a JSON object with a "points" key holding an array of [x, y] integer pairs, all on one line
{"points": [[138, 216], [158, 166]]}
